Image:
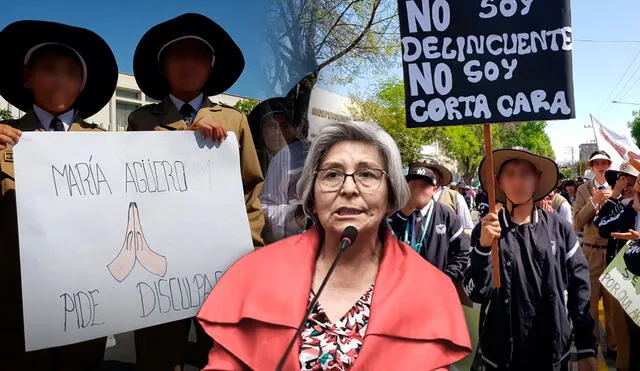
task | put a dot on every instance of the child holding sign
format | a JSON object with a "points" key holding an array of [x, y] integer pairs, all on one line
{"points": [[528, 323], [182, 62], [57, 74]]}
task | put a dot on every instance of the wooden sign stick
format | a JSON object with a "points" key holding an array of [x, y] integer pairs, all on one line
{"points": [[491, 192]]}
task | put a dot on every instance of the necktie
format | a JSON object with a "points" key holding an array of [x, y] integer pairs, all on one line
{"points": [[56, 124], [418, 226], [187, 113]]}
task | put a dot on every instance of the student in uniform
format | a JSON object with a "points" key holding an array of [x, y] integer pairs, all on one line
{"points": [[527, 323], [632, 260], [272, 128], [458, 204], [617, 218], [429, 227], [590, 197], [57, 74], [182, 62]]}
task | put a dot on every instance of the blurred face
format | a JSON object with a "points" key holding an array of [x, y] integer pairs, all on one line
{"points": [[272, 133], [352, 204], [186, 64], [600, 166], [55, 81], [421, 192], [518, 180], [627, 192], [571, 190]]}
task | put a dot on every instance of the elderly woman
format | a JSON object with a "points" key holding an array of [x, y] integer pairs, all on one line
{"points": [[384, 307]]}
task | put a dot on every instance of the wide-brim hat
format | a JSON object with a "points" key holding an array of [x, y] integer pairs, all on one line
{"points": [[228, 61], [99, 68], [420, 170], [265, 108], [546, 167], [625, 168]]}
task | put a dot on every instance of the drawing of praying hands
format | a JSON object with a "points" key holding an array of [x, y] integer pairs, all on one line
{"points": [[135, 247], [150, 260], [122, 265]]}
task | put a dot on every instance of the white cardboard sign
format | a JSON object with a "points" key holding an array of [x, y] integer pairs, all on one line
{"points": [[120, 231]]}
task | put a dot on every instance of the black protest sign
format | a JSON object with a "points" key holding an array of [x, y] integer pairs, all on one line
{"points": [[486, 61]]}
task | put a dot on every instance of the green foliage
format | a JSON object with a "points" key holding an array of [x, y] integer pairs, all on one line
{"points": [[386, 108], [530, 135], [570, 172], [465, 144], [5, 114], [246, 105], [634, 125]]}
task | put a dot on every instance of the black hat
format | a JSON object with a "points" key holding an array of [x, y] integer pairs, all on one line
{"points": [[228, 61], [626, 168], [99, 69], [431, 171], [265, 108]]}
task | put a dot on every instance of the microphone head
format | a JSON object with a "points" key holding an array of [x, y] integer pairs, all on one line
{"points": [[350, 234]]}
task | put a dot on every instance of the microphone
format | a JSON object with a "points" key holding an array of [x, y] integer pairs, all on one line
{"points": [[347, 239]]}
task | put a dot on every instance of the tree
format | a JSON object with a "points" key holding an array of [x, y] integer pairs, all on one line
{"points": [[634, 125], [5, 114], [246, 105], [386, 108], [304, 37], [569, 172], [530, 135], [465, 144]]}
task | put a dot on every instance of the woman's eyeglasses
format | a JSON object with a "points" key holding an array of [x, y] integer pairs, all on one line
{"points": [[367, 180]]}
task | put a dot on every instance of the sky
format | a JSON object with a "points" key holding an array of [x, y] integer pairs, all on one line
{"points": [[603, 71]]}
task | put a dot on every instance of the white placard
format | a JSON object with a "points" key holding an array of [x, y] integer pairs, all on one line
{"points": [[120, 231]]}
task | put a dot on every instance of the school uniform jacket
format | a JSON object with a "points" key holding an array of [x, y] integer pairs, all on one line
{"points": [[11, 324], [543, 304], [584, 214], [615, 216], [443, 244], [416, 320], [165, 116]]}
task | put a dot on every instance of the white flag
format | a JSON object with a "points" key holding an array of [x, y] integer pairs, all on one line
{"points": [[619, 147]]}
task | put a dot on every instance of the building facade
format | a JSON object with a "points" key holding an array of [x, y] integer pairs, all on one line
{"points": [[586, 149]]}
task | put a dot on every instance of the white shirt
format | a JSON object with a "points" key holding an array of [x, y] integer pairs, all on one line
{"points": [[462, 210], [565, 212], [46, 118], [425, 210], [196, 102], [597, 185], [279, 197]]}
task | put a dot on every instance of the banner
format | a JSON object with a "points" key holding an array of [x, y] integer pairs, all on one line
{"points": [[489, 61], [120, 231], [619, 147], [623, 286]]}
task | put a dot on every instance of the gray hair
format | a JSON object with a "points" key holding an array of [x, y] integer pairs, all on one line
{"points": [[361, 132]]}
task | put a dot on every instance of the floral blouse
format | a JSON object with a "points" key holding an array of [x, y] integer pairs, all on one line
{"points": [[334, 346]]}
